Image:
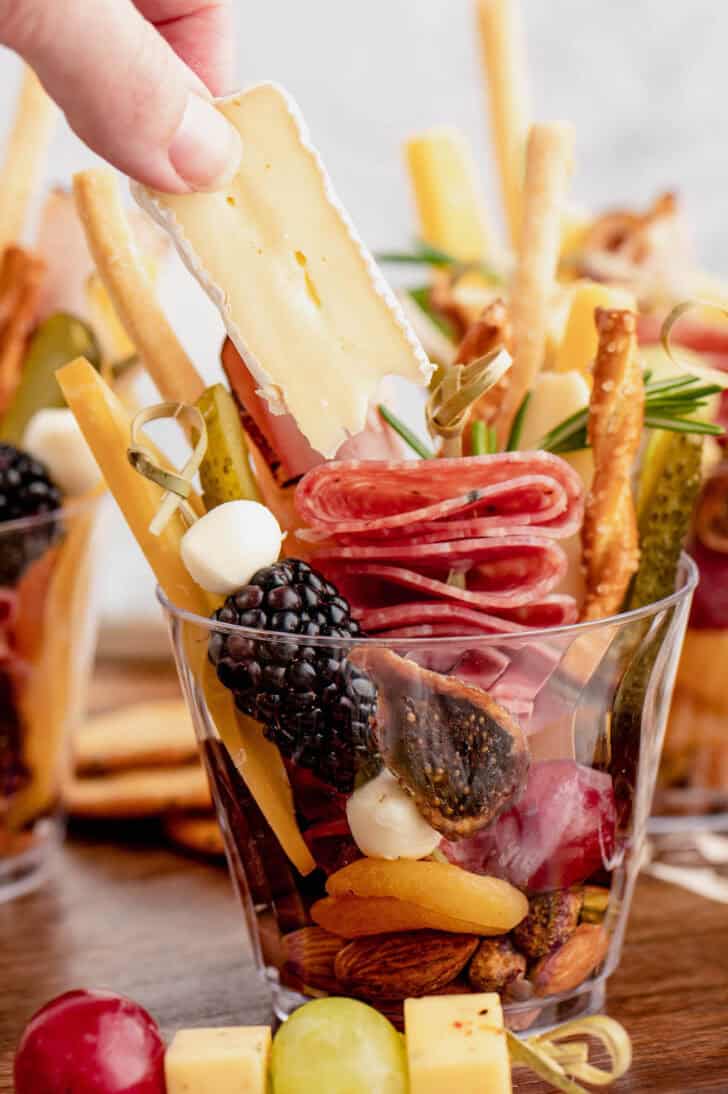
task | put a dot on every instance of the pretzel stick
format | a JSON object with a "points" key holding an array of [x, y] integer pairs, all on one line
{"points": [[610, 537], [503, 50], [548, 167], [21, 274], [25, 154], [131, 291], [483, 336]]}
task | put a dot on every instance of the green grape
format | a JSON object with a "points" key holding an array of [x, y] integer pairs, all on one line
{"points": [[338, 1046]]}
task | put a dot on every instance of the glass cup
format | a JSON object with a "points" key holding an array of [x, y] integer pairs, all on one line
{"points": [[528, 761], [47, 641], [692, 790]]}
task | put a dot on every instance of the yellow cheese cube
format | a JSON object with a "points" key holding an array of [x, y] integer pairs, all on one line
{"points": [[457, 1042], [579, 343], [218, 1061]]}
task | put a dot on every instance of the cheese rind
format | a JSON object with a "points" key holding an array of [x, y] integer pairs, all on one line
{"points": [[300, 295], [218, 1061], [457, 1043]]}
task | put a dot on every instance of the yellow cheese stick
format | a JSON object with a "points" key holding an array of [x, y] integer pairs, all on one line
{"points": [[548, 169], [578, 346], [504, 63], [123, 272], [450, 207], [25, 156], [106, 427]]}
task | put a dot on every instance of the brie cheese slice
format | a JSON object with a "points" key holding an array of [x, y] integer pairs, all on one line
{"points": [[300, 295]]}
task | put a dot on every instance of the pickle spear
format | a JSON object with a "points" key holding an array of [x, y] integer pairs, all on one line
{"points": [[225, 472], [668, 491], [58, 340]]}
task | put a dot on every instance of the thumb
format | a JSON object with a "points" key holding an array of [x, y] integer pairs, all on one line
{"points": [[124, 91]]}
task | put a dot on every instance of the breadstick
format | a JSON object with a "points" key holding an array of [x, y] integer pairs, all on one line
{"points": [[21, 275], [610, 536], [503, 51], [25, 155], [548, 168], [131, 291]]}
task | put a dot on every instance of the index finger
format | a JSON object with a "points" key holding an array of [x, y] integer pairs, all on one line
{"points": [[201, 34]]}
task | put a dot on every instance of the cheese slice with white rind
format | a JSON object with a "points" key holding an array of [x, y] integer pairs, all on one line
{"points": [[300, 295]]}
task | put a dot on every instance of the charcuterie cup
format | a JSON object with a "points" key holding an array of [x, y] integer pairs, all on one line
{"points": [[47, 638], [435, 814]]}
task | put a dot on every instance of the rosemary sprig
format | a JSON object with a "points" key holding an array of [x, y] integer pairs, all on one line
{"points": [[422, 254], [669, 404], [514, 438], [406, 433]]}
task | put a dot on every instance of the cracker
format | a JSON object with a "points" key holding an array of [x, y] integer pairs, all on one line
{"points": [[128, 794], [150, 734], [197, 833], [26, 150]]}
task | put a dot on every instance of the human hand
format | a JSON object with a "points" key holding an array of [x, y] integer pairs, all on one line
{"points": [[134, 79]]}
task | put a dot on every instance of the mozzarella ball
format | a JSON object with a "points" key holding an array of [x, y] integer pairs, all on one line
{"points": [[225, 547], [54, 437], [385, 823]]}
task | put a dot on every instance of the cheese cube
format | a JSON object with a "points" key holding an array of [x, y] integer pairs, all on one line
{"points": [[218, 1061], [458, 1043]]}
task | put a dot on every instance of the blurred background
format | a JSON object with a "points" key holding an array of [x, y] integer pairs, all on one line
{"points": [[644, 81]]}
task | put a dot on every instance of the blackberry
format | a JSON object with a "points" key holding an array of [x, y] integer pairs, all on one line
{"points": [[26, 490], [315, 707]]}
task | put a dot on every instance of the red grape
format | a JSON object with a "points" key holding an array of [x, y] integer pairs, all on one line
{"points": [[90, 1042], [561, 831]]}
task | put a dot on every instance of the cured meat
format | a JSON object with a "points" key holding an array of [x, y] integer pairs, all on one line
{"points": [[513, 489], [433, 549]]}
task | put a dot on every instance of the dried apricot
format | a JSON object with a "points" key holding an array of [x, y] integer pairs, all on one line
{"points": [[357, 917], [439, 887]]}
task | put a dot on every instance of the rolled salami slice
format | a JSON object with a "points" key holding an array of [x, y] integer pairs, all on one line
{"points": [[369, 497]]}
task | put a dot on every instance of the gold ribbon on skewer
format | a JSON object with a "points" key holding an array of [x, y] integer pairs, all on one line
{"points": [[674, 317], [460, 387], [562, 1064], [177, 485]]}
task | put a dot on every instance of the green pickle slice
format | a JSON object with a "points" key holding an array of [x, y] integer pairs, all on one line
{"points": [[669, 487], [225, 471], [59, 339]]}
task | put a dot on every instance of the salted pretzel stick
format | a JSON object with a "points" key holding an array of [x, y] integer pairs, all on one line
{"points": [[131, 291], [21, 275], [503, 50], [610, 538], [486, 334], [25, 155], [549, 158]]}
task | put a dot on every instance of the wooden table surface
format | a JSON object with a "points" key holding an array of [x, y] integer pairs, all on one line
{"points": [[124, 912]]}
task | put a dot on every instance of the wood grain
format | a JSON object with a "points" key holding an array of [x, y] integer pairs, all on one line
{"points": [[123, 912]]}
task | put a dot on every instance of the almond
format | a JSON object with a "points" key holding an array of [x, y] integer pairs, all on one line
{"points": [[397, 966], [309, 958], [572, 963]]}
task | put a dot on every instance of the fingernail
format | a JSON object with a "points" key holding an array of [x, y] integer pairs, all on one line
{"points": [[205, 151]]}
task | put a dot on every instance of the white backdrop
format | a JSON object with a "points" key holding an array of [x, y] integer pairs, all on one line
{"points": [[645, 81]]}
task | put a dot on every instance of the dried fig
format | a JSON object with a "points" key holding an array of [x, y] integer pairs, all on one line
{"points": [[454, 748], [552, 919]]}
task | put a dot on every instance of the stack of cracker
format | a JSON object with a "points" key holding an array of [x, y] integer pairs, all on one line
{"points": [[140, 762]]}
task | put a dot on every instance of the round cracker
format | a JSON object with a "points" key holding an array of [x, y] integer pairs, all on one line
{"points": [[199, 834], [138, 793], [151, 734]]}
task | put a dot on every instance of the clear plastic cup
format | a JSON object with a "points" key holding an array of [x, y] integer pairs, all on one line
{"points": [[47, 642], [531, 755]]}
